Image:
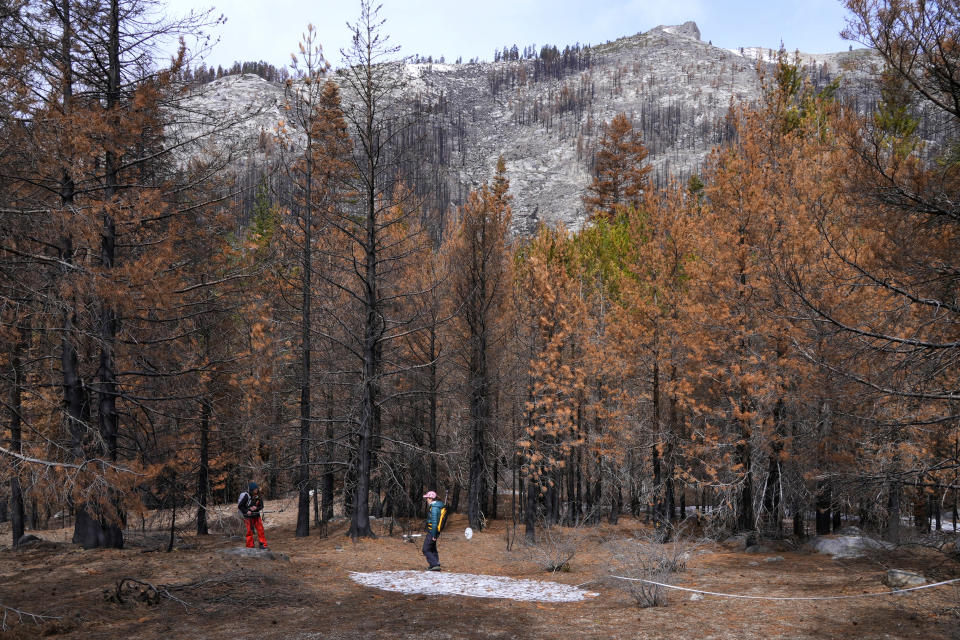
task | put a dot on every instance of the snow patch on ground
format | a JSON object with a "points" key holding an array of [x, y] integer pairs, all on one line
{"points": [[468, 584]]}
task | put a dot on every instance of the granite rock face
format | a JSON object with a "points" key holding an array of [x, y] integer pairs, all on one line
{"points": [[899, 579], [847, 546], [544, 117], [261, 554]]}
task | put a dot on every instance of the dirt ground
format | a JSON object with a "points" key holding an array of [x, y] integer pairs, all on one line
{"points": [[209, 594]]}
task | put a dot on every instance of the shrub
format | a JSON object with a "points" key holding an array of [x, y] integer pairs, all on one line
{"points": [[654, 555]]}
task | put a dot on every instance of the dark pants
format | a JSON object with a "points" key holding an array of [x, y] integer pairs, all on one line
{"points": [[430, 550]]}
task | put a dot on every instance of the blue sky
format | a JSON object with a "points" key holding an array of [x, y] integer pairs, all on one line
{"points": [[270, 29]]}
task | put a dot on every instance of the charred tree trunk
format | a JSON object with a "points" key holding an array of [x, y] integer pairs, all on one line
{"points": [[771, 493], [893, 512], [956, 509], [455, 500], [479, 418], [669, 483], [477, 300], [327, 490], [824, 500], [203, 474], [494, 492], [530, 513], [935, 509], [97, 525], [306, 266], [74, 393], [659, 501], [578, 501], [597, 491], [373, 320], [673, 432], [799, 526], [16, 421], [745, 514], [106, 373], [433, 426], [616, 505], [657, 480]]}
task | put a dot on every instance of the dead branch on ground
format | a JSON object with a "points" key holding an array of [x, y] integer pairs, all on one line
{"points": [[21, 617]]}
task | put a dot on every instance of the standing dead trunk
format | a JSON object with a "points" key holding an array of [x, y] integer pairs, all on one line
{"points": [[956, 509], [327, 492], [935, 508], [360, 518], [746, 520], [824, 500], [668, 481], [104, 528], [771, 492], [616, 505], [479, 419], [455, 498], [76, 407], [659, 499], [893, 512], [530, 515], [799, 526], [512, 527], [203, 473], [306, 294], [494, 492], [16, 421], [433, 426]]}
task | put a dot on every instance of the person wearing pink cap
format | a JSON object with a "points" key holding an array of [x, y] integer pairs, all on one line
{"points": [[434, 507]]}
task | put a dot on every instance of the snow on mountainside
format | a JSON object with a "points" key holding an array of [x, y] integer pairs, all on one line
{"points": [[545, 119]]}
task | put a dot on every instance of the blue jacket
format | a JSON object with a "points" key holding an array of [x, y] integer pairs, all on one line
{"points": [[433, 517]]}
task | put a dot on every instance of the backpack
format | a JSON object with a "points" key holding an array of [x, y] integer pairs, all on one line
{"points": [[243, 496], [442, 521]]}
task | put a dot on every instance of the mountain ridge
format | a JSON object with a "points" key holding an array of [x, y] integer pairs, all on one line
{"points": [[545, 119]]}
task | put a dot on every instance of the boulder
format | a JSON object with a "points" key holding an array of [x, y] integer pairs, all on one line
{"points": [[156, 540], [758, 548], [899, 579], [28, 539], [739, 540], [846, 546], [265, 554], [849, 530], [774, 559]]}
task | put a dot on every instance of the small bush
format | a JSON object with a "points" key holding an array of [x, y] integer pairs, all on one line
{"points": [[554, 547], [654, 555]]}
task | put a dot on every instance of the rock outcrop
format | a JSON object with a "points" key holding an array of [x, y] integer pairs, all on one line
{"points": [[544, 115], [900, 579], [847, 546]]}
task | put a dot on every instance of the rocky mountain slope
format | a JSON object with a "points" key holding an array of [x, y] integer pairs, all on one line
{"points": [[543, 116]]}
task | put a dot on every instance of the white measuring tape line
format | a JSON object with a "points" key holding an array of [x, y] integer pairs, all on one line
{"points": [[735, 595]]}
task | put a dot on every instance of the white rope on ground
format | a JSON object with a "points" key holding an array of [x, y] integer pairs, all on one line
{"points": [[735, 595]]}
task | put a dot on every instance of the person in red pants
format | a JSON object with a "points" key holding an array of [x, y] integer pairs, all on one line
{"points": [[250, 505]]}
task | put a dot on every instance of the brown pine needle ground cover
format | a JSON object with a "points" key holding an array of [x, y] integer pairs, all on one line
{"points": [[197, 591]]}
